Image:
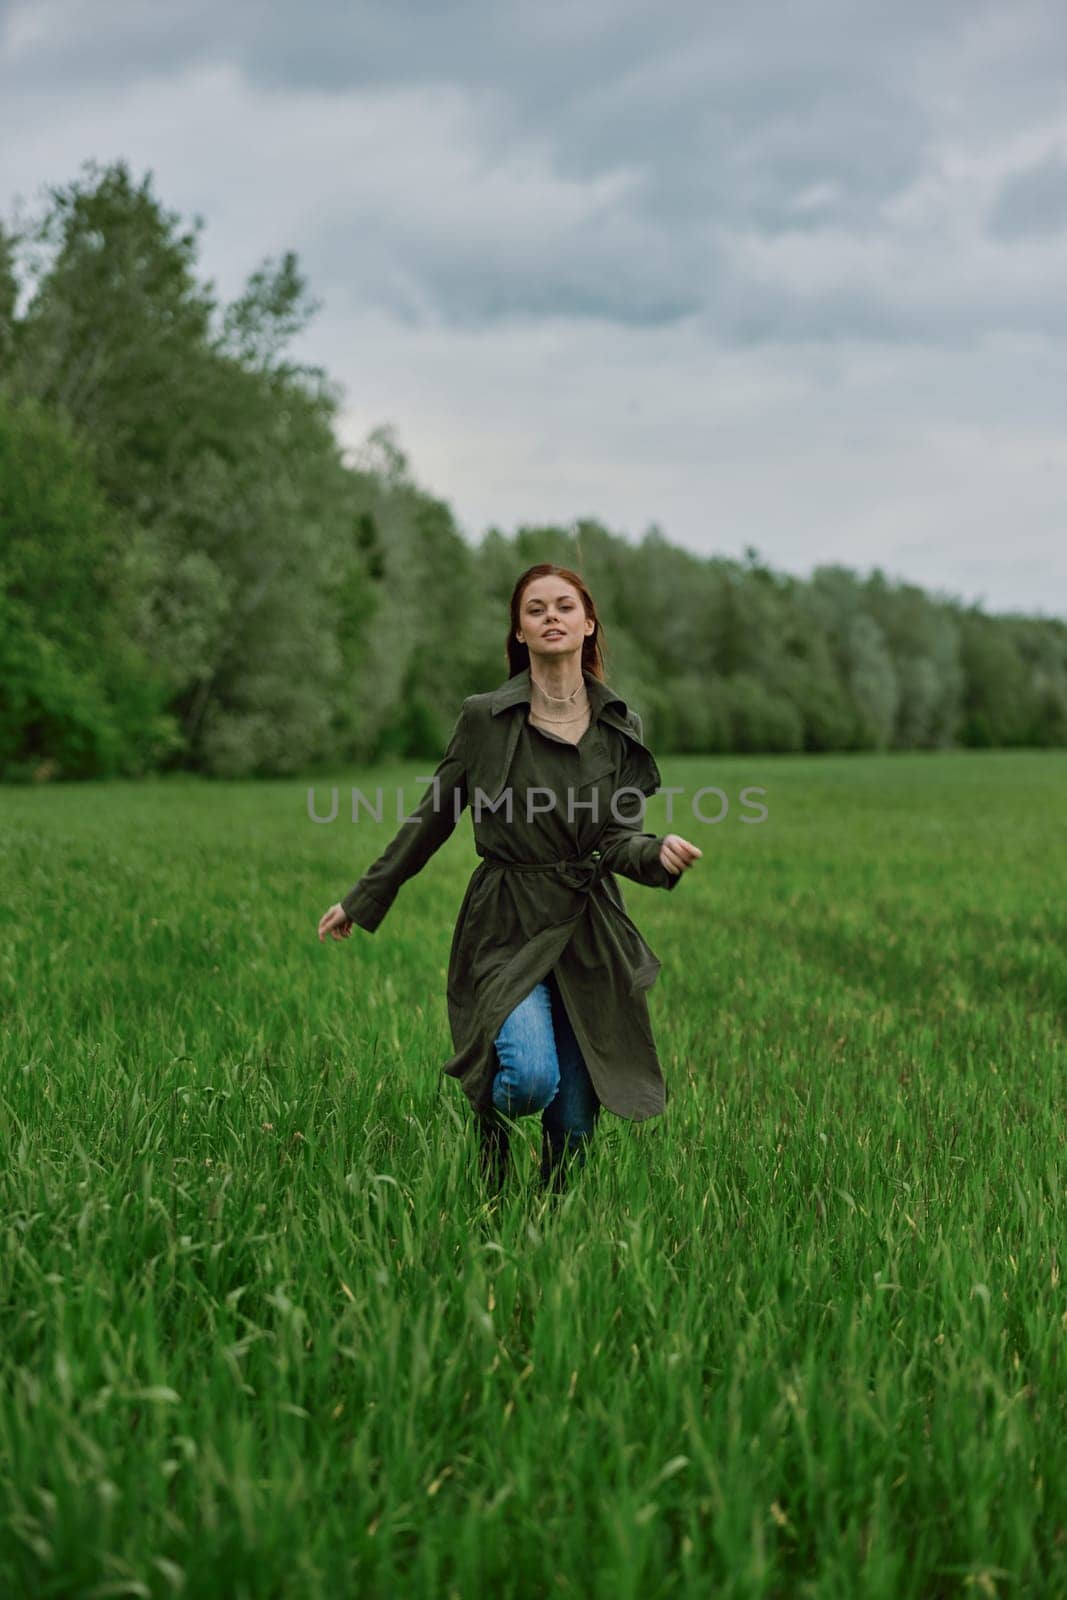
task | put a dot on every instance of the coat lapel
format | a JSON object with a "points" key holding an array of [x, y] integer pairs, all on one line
{"points": [[512, 701]]}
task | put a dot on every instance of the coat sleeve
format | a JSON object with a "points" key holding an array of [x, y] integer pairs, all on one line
{"points": [[623, 847], [425, 831]]}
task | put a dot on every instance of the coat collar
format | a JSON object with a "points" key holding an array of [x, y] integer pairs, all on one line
{"points": [[516, 689], [604, 704]]}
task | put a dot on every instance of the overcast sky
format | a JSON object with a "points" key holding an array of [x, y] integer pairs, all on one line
{"points": [[790, 276]]}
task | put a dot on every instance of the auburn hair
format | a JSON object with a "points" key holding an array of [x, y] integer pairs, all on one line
{"points": [[518, 654]]}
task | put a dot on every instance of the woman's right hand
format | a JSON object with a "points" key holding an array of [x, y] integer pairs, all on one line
{"points": [[335, 923], [677, 854]]}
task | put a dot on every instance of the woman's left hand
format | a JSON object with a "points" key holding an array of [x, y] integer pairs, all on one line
{"points": [[335, 923], [677, 853]]}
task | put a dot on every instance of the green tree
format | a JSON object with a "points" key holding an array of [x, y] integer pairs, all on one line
{"points": [[78, 698], [994, 697], [220, 458]]}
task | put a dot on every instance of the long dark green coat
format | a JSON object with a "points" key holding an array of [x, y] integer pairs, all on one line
{"points": [[544, 895]]}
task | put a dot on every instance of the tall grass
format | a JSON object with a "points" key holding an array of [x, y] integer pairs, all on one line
{"points": [[262, 1335]]}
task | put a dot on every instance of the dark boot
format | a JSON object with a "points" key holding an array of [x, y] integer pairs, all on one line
{"points": [[493, 1150]]}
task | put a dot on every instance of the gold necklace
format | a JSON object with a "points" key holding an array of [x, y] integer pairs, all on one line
{"points": [[541, 718], [577, 717], [555, 697]]}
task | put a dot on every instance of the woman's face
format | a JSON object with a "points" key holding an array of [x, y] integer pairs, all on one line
{"points": [[552, 619]]}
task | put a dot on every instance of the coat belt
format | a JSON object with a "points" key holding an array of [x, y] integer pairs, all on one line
{"points": [[578, 872]]}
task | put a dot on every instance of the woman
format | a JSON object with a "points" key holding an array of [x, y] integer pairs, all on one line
{"points": [[547, 974]]}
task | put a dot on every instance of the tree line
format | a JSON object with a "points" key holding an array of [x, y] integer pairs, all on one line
{"points": [[194, 575]]}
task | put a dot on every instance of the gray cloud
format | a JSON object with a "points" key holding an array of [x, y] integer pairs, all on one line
{"points": [[1033, 202], [789, 276], [733, 124]]}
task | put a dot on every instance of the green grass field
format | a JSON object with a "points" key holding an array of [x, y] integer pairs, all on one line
{"points": [[801, 1336]]}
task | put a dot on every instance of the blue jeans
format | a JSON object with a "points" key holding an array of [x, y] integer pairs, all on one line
{"points": [[542, 1069]]}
